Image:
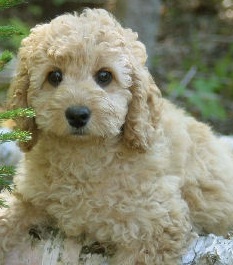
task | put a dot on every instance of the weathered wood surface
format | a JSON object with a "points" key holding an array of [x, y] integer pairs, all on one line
{"points": [[209, 250]]}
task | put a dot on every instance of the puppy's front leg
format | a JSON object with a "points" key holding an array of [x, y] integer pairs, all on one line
{"points": [[15, 222], [165, 249], [160, 230]]}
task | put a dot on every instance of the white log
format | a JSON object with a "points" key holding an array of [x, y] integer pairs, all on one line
{"points": [[209, 250], [58, 250]]}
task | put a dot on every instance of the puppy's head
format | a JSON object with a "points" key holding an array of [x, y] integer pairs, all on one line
{"points": [[85, 76]]}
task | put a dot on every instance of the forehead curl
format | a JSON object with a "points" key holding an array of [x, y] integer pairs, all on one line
{"points": [[70, 33]]}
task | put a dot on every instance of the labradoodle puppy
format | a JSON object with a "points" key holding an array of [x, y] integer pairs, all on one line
{"points": [[110, 158]]}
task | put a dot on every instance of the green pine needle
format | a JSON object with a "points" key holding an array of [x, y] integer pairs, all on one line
{"points": [[8, 31], [17, 135], [21, 112], [5, 57], [10, 3], [6, 171], [3, 204]]}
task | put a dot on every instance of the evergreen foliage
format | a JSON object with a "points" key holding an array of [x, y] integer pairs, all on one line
{"points": [[6, 172], [8, 31], [10, 3], [5, 57]]}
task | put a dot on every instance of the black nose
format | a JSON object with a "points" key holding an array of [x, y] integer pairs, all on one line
{"points": [[77, 116]]}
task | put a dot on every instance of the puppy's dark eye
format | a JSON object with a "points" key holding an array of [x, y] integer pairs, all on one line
{"points": [[55, 77], [103, 77]]}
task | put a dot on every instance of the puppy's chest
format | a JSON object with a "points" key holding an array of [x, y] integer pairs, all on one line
{"points": [[88, 188], [83, 168], [89, 175]]}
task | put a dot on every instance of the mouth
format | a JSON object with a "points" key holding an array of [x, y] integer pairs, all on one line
{"points": [[79, 131]]}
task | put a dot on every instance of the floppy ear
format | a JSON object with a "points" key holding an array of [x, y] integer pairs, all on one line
{"points": [[17, 98], [144, 111]]}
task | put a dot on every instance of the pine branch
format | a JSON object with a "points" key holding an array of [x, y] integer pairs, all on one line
{"points": [[6, 172], [13, 114], [10, 3], [5, 57], [9, 30], [3, 204], [17, 135]]}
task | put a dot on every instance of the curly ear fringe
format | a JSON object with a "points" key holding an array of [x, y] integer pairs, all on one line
{"points": [[17, 98], [144, 111]]}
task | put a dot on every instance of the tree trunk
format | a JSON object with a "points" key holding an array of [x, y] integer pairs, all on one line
{"points": [[143, 17]]}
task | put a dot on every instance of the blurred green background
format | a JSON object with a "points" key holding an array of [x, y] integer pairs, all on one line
{"points": [[189, 43]]}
